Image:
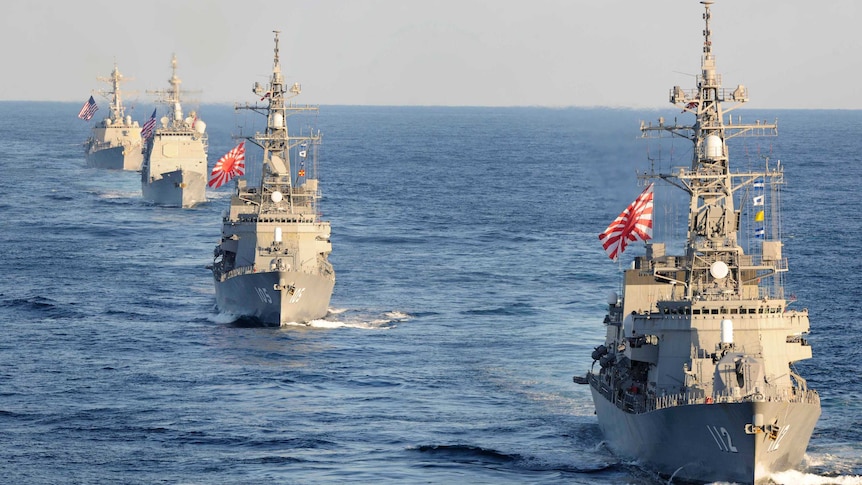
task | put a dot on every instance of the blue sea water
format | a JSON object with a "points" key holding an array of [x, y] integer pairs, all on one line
{"points": [[470, 288]]}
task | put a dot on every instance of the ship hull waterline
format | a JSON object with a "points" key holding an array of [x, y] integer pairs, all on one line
{"points": [[179, 188], [254, 295], [708, 442], [116, 158]]}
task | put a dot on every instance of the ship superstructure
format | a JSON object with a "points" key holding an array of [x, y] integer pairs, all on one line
{"points": [[174, 172], [695, 378], [271, 263], [115, 142]]}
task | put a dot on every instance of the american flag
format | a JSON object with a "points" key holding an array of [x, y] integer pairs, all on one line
{"points": [[231, 165], [88, 110], [149, 126], [634, 224]]}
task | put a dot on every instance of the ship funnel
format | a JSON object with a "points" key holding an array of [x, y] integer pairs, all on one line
{"points": [[727, 332]]}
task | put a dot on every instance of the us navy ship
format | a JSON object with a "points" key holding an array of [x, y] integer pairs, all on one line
{"points": [[695, 378], [175, 161], [115, 142], [272, 261]]}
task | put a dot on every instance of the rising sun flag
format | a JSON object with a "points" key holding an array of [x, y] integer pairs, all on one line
{"points": [[634, 224], [231, 165]]}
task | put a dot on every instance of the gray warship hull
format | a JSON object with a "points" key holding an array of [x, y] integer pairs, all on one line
{"points": [[695, 378], [180, 188], [115, 142], [275, 297], [175, 162], [116, 158], [271, 262], [708, 442]]}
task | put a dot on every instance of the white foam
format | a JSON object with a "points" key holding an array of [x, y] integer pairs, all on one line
{"points": [[342, 318], [396, 315], [222, 318], [373, 325], [793, 477], [359, 321], [326, 324]]}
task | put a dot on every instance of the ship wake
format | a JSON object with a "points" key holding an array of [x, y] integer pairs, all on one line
{"points": [[345, 318], [794, 477]]}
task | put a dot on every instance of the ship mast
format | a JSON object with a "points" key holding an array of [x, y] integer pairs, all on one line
{"points": [[715, 260], [277, 186], [116, 106], [171, 97], [275, 142]]}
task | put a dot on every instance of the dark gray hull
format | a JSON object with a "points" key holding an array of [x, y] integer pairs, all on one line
{"points": [[708, 442], [116, 158], [180, 188], [254, 295]]}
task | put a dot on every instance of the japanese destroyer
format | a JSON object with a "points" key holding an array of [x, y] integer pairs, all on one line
{"points": [[272, 264], [115, 142], [174, 172], [695, 378]]}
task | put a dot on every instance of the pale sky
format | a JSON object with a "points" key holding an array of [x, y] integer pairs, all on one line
{"points": [[616, 53]]}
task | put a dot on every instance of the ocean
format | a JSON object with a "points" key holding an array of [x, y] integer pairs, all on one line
{"points": [[471, 287]]}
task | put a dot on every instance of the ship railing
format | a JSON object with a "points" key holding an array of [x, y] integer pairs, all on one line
{"points": [[324, 270], [638, 403], [238, 271], [769, 394], [101, 145]]}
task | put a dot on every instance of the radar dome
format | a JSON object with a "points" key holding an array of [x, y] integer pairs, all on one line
{"points": [[713, 147], [200, 127], [613, 298], [276, 196], [278, 120], [719, 270]]}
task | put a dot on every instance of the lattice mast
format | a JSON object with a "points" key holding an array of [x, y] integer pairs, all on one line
{"points": [[276, 142], [713, 254]]}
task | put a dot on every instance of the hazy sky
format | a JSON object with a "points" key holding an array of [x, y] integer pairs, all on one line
{"points": [[621, 53]]}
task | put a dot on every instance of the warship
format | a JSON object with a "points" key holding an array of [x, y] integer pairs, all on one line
{"points": [[695, 378], [271, 264], [174, 172], [115, 142]]}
